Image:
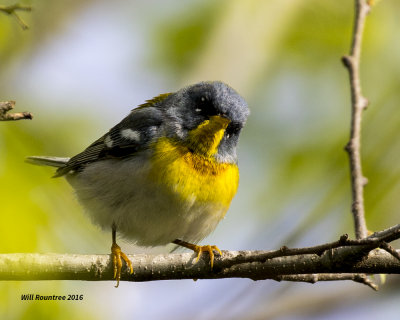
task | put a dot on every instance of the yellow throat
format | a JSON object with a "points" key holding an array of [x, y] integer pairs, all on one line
{"points": [[191, 171]]}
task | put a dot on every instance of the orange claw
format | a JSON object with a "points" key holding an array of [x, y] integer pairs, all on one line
{"points": [[199, 250], [117, 257], [209, 249]]}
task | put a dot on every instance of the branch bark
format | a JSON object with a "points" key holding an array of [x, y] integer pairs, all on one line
{"points": [[325, 262], [33, 266], [6, 106], [358, 104]]}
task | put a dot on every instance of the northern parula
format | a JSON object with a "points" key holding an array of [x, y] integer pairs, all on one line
{"points": [[166, 173]]}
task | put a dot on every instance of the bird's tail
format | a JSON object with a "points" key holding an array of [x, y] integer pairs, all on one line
{"points": [[47, 161]]}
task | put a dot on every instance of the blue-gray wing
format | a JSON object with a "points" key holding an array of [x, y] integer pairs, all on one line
{"points": [[132, 134]]}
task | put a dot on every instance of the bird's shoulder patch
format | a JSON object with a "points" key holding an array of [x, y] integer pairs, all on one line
{"points": [[132, 134]]}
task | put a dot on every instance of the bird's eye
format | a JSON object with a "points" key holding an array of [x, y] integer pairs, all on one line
{"points": [[205, 106]]}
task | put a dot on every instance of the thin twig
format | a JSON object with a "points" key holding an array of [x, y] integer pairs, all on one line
{"points": [[314, 278], [372, 242], [386, 246], [12, 10], [6, 106], [358, 104], [362, 278]]}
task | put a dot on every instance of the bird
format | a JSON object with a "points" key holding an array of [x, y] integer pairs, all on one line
{"points": [[166, 173]]}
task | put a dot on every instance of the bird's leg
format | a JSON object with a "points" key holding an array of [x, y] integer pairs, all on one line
{"points": [[199, 249], [117, 257]]}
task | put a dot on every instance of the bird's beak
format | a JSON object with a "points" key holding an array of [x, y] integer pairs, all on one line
{"points": [[206, 137], [219, 121]]}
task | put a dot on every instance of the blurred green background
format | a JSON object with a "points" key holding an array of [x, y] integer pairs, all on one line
{"points": [[84, 64]]}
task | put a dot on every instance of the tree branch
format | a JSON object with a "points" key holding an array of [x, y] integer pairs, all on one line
{"points": [[12, 10], [33, 266], [6, 106], [325, 262], [358, 104]]}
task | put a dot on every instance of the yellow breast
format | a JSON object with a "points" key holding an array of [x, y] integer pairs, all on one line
{"points": [[192, 176]]}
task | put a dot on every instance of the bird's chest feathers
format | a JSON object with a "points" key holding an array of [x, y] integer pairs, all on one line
{"points": [[191, 176]]}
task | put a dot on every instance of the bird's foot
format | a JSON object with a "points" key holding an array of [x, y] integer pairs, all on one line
{"points": [[199, 250], [117, 257]]}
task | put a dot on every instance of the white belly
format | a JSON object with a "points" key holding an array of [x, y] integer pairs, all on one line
{"points": [[142, 212]]}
